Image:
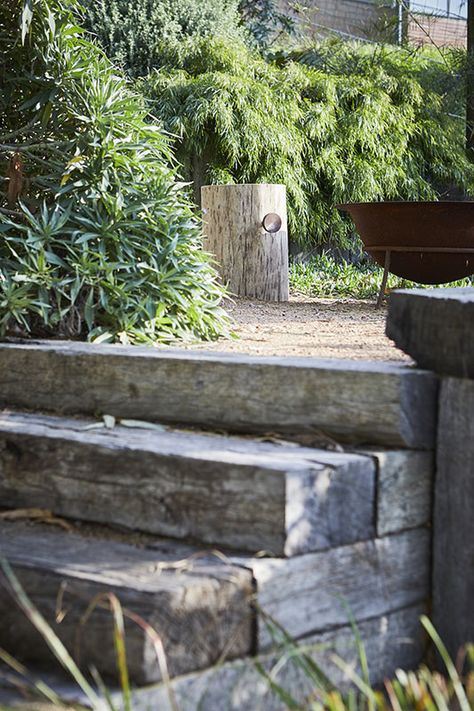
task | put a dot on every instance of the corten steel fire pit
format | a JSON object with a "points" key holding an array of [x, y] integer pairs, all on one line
{"points": [[426, 242]]}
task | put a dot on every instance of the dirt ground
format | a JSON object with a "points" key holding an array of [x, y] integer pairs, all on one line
{"points": [[323, 328]]}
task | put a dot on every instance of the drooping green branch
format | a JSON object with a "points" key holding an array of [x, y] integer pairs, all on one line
{"points": [[334, 123]]}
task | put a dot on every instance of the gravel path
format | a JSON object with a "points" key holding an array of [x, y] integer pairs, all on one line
{"points": [[323, 328]]}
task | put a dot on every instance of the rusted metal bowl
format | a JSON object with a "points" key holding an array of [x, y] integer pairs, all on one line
{"points": [[428, 242]]}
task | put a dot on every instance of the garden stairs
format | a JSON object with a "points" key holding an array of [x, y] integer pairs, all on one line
{"points": [[221, 498]]}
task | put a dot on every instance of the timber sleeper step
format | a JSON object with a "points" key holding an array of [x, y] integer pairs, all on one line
{"points": [[394, 641], [201, 609], [359, 402], [203, 605], [227, 491]]}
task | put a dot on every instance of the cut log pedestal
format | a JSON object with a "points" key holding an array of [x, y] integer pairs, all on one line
{"points": [[245, 228]]}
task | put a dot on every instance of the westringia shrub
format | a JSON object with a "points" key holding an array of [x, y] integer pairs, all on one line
{"points": [[133, 32], [335, 123], [96, 239]]}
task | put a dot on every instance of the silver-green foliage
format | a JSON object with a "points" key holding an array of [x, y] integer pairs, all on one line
{"points": [[133, 32], [335, 123], [96, 239]]}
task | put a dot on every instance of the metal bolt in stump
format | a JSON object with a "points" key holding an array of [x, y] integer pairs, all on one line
{"points": [[245, 228]]}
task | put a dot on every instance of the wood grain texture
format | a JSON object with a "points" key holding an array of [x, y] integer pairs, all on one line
{"points": [[318, 591], [434, 326], [453, 520], [201, 611], [363, 403], [227, 491], [252, 262], [394, 641], [404, 489]]}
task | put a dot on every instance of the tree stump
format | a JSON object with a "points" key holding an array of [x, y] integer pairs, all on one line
{"points": [[245, 228]]}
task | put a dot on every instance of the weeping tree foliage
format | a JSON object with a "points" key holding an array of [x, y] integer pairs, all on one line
{"points": [[335, 123], [96, 239]]}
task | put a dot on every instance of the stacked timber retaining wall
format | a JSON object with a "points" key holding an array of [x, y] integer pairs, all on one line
{"points": [[320, 512], [327, 491]]}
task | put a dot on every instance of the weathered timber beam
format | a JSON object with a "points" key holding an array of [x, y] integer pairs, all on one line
{"points": [[318, 591], [226, 491], [435, 327], [362, 402], [201, 611]]}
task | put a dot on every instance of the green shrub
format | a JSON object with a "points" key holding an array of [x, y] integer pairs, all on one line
{"points": [[135, 32], [335, 123], [96, 238]]}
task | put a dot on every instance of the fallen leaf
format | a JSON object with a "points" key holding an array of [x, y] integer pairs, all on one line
{"points": [[33, 514], [140, 424], [109, 421]]}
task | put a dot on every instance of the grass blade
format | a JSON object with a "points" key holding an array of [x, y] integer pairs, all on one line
{"points": [[39, 686], [119, 641], [463, 701], [284, 695], [51, 639]]}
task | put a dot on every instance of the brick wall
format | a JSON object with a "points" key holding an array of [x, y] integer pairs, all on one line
{"points": [[443, 31], [371, 20], [361, 18]]}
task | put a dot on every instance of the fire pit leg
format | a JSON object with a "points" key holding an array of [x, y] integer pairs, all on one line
{"points": [[384, 279]]}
